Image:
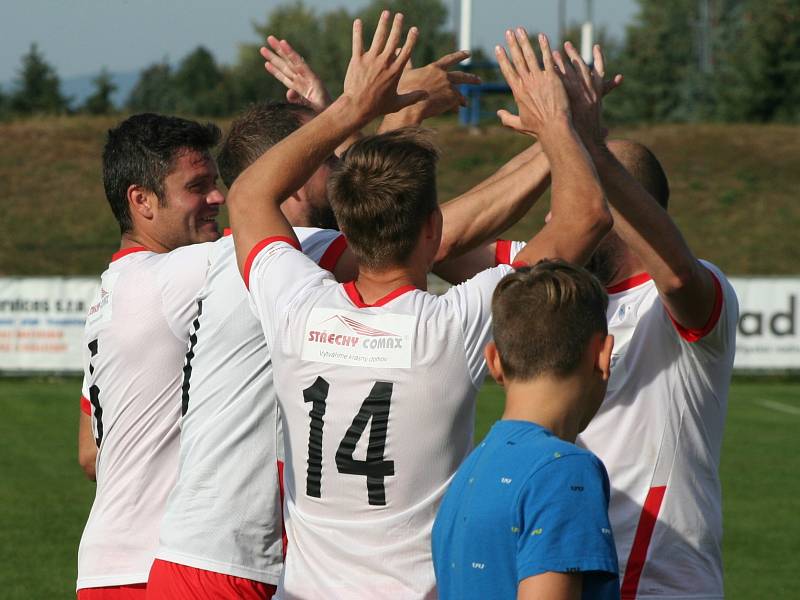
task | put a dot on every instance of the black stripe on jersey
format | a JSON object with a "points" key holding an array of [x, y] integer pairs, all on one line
{"points": [[94, 397], [187, 365]]}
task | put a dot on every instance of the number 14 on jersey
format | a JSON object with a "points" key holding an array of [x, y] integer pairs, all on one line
{"points": [[375, 468]]}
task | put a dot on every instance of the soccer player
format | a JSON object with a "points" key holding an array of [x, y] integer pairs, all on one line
{"points": [[161, 183], [659, 430], [138, 331], [376, 378], [221, 527], [526, 515]]}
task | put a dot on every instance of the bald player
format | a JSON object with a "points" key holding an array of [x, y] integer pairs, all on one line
{"points": [[673, 318]]}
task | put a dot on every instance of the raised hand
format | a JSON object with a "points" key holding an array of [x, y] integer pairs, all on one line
{"points": [[373, 76], [538, 92], [586, 88], [440, 83], [302, 83]]}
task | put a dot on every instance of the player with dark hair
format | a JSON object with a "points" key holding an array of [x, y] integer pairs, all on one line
{"points": [[526, 515], [161, 183], [376, 378]]}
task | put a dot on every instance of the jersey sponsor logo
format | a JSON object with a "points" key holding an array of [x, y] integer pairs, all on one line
{"points": [[341, 337], [100, 310]]}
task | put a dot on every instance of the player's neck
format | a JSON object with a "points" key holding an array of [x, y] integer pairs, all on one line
{"points": [[132, 239], [628, 267], [373, 285], [556, 404]]}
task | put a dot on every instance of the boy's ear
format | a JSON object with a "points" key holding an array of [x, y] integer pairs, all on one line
{"points": [[604, 357], [493, 362]]}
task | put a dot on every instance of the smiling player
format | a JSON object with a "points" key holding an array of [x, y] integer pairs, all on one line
{"points": [[161, 183]]}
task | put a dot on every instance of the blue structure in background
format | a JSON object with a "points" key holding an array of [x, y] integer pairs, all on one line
{"points": [[470, 115]]}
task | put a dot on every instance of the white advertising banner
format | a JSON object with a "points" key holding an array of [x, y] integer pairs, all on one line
{"points": [[42, 318], [41, 323], [768, 335]]}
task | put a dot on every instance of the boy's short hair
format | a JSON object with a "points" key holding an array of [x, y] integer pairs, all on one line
{"points": [[142, 151], [382, 191], [254, 132], [544, 317]]}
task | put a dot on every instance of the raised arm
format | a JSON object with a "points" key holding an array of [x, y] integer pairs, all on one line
{"points": [[579, 215], [303, 85], [494, 205], [370, 90], [439, 82], [686, 287]]}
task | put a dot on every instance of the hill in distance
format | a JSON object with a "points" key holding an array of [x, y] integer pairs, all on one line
{"points": [[734, 190]]}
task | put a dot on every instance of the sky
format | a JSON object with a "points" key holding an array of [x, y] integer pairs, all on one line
{"points": [[79, 37]]}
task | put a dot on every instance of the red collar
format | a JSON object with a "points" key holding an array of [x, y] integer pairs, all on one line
{"points": [[122, 253], [630, 283], [355, 297]]}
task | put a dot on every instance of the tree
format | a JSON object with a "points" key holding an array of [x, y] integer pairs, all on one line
{"points": [[758, 75], [294, 22], [197, 84], [429, 16], [325, 42], [100, 103], [5, 105], [37, 88], [658, 60], [154, 91]]}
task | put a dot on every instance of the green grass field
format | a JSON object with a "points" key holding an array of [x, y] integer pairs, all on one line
{"points": [[44, 499]]}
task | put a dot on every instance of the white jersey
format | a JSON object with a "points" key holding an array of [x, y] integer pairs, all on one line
{"points": [[659, 433], [224, 514], [378, 409], [135, 336]]}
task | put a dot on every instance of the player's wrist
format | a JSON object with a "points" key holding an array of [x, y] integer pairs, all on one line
{"points": [[598, 149], [347, 112], [555, 128]]}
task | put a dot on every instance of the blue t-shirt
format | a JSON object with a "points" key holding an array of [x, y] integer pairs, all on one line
{"points": [[524, 502]]}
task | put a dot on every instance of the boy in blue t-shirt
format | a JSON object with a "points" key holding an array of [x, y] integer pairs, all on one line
{"points": [[526, 515]]}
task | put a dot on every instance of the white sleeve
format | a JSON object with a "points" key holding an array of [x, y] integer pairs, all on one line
{"points": [[276, 275], [718, 336], [323, 246], [181, 276], [472, 303]]}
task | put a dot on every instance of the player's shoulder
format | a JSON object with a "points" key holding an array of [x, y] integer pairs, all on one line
{"points": [[540, 446], [479, 285], [721, 279], [715, 270], [562, 457]]}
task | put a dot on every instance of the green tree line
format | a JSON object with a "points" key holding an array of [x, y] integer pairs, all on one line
{"points": [[684, 60]]}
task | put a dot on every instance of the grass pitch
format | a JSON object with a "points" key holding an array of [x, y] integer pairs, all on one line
{"points": [[44, 498]]}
